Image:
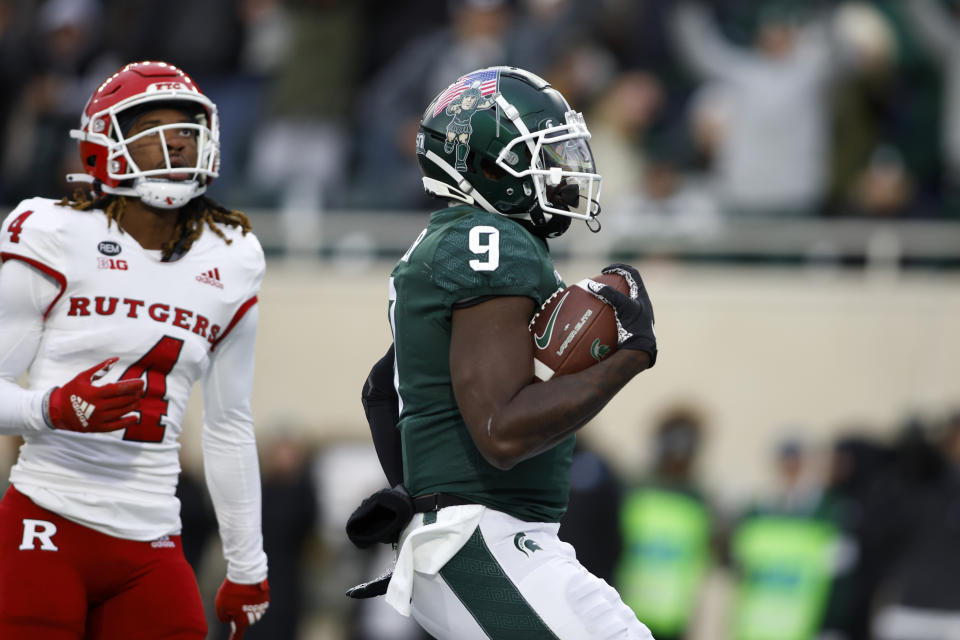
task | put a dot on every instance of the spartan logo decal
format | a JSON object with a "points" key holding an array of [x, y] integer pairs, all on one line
{"points": [[597, 350], [470, 93], [523, 544], [460, 129]]}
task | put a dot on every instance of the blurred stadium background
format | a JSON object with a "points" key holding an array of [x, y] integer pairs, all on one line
{"points": [[785, 174]]}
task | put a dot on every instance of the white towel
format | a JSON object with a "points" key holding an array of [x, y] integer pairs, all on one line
{"points": [[427, 547]]}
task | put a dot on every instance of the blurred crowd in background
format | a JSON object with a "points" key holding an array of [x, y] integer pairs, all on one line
{"points": [[698, 109]]}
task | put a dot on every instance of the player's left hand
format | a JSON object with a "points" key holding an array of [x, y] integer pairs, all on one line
{"points": [[634, 312], [241, 605]]}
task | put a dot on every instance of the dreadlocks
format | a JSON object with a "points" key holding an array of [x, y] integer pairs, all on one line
{"points": [[190, 220]]}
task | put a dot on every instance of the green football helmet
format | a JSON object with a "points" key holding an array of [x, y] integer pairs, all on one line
{"points": [[504, 140]]}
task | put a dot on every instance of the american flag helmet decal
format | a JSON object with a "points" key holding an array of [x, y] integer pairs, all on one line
{"points": [[488, 79]]}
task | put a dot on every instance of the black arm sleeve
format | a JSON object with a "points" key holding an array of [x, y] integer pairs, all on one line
{"points": [[382, 408]]}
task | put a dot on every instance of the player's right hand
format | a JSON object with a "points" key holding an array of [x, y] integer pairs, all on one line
{"points": [[241, 605], [80, 405], [634, 312]]}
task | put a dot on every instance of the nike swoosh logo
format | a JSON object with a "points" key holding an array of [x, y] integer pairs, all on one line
{"points": [[543, 340]]}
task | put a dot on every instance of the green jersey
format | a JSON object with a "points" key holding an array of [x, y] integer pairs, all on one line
{"points": [[466, 253]]}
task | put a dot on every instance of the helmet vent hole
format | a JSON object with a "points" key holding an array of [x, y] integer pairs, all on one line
{"points": [[92, 161], [490, 170]]}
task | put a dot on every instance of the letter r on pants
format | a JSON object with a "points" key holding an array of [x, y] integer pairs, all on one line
{"points": [[41, 530]]}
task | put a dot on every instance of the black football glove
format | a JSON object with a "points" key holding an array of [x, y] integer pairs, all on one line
{"points": [[372, 588], [634, 312]]}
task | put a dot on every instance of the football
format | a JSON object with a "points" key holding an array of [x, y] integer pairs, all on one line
{"points": [[574, 329]]}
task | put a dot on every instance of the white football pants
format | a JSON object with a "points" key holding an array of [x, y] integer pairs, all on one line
{"points": [[517, 580]]}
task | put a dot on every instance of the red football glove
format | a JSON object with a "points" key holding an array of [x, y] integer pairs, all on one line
{"points": [[79, 405], [241, 605]]}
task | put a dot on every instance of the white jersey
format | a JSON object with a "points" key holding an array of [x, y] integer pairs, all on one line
{"points": [[163, 320]]}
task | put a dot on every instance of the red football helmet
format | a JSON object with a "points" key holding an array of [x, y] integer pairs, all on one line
{"points": [[103, 146]]}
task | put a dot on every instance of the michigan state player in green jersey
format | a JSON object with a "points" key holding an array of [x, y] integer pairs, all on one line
{"points": [[486, 451]]}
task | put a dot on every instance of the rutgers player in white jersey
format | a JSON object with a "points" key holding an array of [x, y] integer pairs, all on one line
{"points": [[114, 303]]}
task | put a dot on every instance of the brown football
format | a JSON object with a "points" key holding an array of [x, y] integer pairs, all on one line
{"points": [[574, 329]]}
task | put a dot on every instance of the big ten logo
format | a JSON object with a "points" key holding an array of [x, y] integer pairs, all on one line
{"points": [[117, 264]]}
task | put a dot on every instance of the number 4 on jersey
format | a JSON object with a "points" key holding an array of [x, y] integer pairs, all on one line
{"points": [[156, 363], [16, 227]]}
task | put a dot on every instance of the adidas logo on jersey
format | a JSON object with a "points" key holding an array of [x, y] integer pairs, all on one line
{"points": [[211, 277], [82, 408], [163, 542]]}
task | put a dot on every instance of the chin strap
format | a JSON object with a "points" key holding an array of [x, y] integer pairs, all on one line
{"points": [[593, 224], [442, 190], [162, 194], [465, 191], [167, 194], [100, 187]]}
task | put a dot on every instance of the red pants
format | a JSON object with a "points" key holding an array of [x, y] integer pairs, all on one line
{"points": [[62, 581]]}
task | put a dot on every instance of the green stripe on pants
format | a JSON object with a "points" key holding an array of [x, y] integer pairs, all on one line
{"points": [[499, 608]]}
